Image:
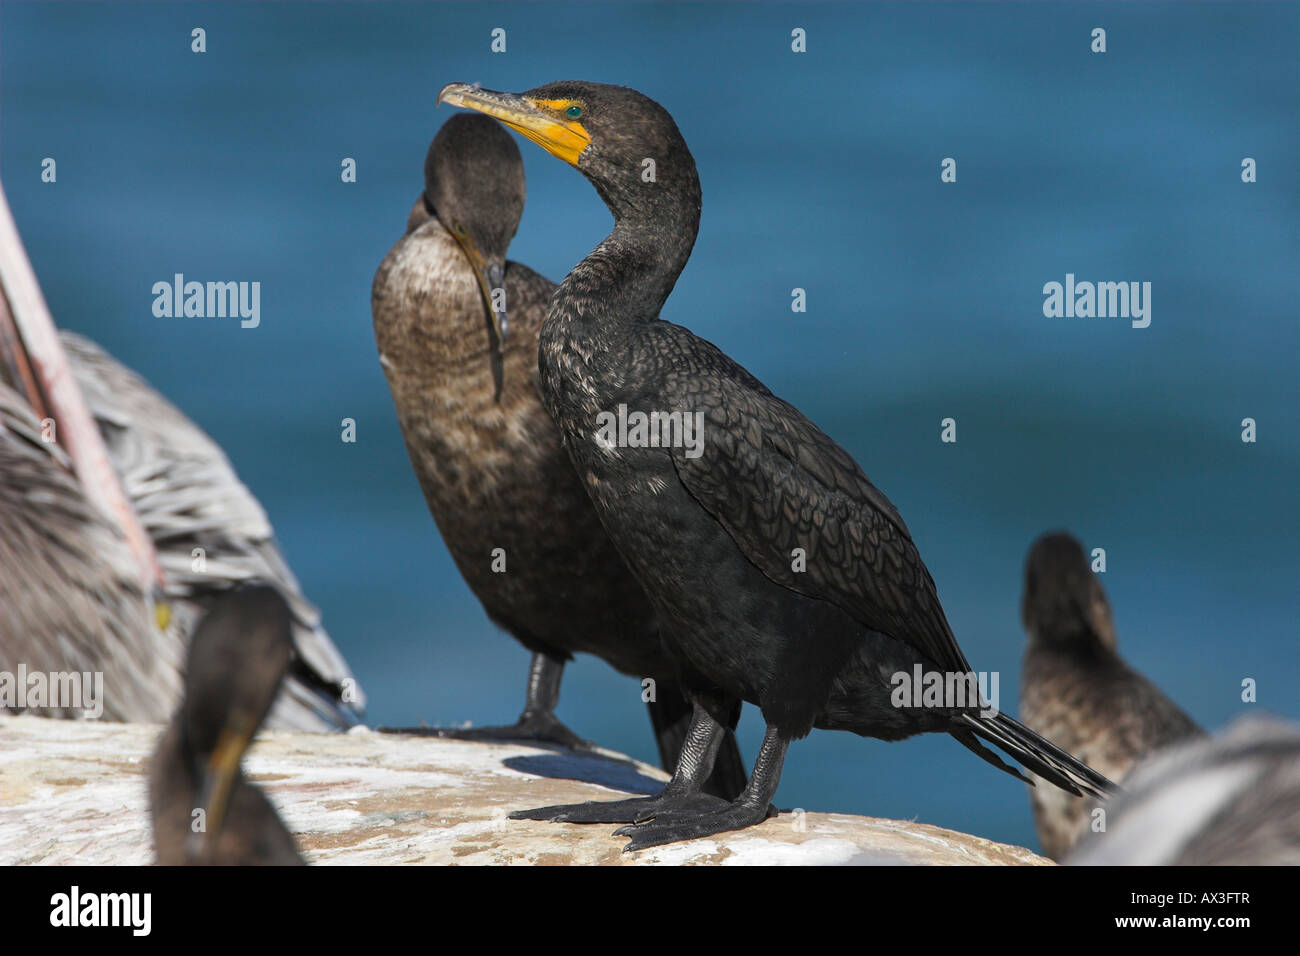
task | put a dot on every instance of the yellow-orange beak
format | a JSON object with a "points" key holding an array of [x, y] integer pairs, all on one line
{"points": [[538, 120], [214, 794]]}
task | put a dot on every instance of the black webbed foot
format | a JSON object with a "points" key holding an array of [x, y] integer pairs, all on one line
{"points": [[625, 811], [678, 826]]}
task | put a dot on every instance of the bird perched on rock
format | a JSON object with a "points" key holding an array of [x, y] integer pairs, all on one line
{"points": [[1228, 800], [204, 811], [1077, 691], [456, 325], [781, 575]]}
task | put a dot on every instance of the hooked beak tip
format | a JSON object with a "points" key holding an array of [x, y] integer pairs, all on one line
{"points": [[448, 93]]}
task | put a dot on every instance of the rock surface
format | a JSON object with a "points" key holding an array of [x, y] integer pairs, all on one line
{"points": [[74, 792]]}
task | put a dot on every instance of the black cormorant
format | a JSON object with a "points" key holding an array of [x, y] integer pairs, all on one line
{"points": [[1077, 691], [486, 452], [712, 536], [204, 811], [1228, 800]]}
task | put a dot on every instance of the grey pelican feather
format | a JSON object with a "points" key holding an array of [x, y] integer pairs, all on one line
{"points": [[1228, 800], [98, 537], [189, 497], [70, 594]]}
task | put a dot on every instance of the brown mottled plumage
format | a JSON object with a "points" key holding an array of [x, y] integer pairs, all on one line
{"points": [[486, 452], [1077, 691], [237, 658]]}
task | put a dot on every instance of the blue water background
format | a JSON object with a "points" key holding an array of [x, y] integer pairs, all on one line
{"points": [[820, 171]]}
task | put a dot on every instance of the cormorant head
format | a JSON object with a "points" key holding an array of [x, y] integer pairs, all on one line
{"points": [[1063, 600], [623, 141], [474, 182], [237, 657]]}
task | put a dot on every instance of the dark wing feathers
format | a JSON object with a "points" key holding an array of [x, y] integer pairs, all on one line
{"points": [[776, 482]]}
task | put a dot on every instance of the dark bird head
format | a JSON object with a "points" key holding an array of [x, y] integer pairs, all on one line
{"points": [[623, 141], [474, 182], [238, 655], [1063, 600]]}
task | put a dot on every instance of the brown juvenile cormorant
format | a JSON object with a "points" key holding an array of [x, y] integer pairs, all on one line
{"points": [[1228, 800], [204, 811], [120, 521], [488, 455], [1077, 691], [712, 536]]}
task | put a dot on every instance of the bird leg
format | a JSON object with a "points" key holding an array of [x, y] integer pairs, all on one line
{"points": [[682, 794], [752, 806], [538, 721]]}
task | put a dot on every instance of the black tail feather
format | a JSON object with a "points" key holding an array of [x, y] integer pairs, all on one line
{"points": [[1036, 753], [970, 741]]}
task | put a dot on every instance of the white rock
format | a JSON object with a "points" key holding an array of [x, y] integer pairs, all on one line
{"points": [[74, 792]]}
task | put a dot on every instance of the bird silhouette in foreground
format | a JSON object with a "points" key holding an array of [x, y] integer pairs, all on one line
{"points": [[1228, 800], [456, 325], [782, 576], [204, 811], [1076, 690]]}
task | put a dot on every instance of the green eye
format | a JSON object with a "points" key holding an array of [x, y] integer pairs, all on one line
{"points": [[573, 112], [460, 230]]}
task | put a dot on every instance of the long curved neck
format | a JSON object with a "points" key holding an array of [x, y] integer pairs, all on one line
{"points": [[628, 277], [619, 287]]}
